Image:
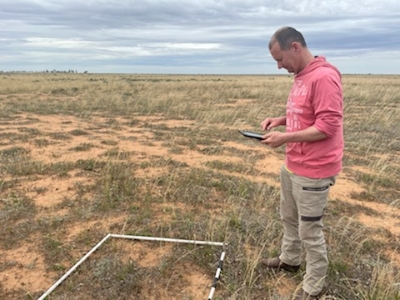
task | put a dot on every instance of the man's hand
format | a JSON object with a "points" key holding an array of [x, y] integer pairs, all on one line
{"points": [[274, 139], [270, 123]]}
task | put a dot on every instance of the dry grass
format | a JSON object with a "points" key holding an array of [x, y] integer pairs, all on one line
{"points": [[83, 155]]}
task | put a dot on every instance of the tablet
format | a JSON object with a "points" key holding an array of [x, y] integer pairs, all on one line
{"points": [[252, 135]]}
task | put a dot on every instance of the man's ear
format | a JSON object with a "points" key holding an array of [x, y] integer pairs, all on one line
{"points": [[296, 46]]}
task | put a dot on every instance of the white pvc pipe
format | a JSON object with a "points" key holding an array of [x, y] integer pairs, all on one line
{"points": [[74, 267], [148, 238], [216, 278], [133, 237]]}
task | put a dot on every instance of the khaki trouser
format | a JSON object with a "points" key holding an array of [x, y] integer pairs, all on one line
{"points": [[302, 205]]}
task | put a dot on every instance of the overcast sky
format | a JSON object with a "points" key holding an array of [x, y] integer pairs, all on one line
{"points": [[194, 36]]}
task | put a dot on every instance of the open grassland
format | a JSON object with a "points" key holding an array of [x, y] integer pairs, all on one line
{"points": [[84, 155]]}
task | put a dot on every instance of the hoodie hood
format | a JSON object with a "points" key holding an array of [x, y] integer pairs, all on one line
{"points": [[317, 62]]}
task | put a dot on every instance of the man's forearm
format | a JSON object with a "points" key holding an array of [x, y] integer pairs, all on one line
{"points": [[276, 138], [311, 134], [282, 120]]}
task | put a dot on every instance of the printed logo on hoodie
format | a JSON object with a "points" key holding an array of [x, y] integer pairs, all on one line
{"points": [[292, 117]]}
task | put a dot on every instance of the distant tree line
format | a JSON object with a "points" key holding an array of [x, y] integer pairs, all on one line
{"points": [[47, 71]]}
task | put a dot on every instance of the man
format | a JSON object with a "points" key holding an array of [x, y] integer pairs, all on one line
{"points": [[314, 151]]}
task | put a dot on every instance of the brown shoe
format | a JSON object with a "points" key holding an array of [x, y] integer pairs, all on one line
{"points": [[302, 295], [276, 263]]}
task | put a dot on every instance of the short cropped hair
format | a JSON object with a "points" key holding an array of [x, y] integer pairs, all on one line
{"points": [[285, 36]]}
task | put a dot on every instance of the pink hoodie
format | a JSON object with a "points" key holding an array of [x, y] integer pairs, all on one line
{"points": [[316, 99]]}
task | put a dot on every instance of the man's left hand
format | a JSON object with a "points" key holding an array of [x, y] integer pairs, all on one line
{"points": [[274, 139]]}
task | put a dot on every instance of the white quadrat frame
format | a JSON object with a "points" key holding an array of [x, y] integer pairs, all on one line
{"points": [[143, 238]]}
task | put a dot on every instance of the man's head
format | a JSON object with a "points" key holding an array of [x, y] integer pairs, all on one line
{"points": [[289, 49]]}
